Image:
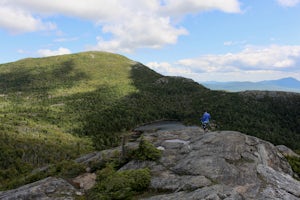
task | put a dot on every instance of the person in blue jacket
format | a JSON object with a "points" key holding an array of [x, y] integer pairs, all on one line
{"points": [[205, 120]]}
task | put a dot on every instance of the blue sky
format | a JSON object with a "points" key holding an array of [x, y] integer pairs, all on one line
{"points": [[206, 40]]}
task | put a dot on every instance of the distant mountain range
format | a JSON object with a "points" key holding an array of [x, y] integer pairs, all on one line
{"points": [[286, 84]]}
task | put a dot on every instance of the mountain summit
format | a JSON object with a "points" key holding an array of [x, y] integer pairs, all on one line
{"points": [[284, 83]]}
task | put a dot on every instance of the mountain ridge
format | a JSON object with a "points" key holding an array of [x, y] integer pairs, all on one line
{"points": [[287, 84]]}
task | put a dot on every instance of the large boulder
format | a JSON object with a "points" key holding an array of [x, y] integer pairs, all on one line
{"points": [[217, 165]]}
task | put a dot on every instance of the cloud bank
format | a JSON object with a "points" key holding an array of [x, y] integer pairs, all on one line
{"points": [[253, 63], [126, 24]]}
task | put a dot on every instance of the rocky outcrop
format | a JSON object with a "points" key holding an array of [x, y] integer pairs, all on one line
{"points": [[85, 181], [46, 189], [194, 165], [217, 165], [287, 151]]}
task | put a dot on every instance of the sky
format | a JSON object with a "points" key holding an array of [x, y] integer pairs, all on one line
{"points": [[205, 40]]}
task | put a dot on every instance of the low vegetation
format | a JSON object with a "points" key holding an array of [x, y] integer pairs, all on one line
{"points": [[125, 184], [57, 108], [65, 169], [295, 164], [145, 151]]}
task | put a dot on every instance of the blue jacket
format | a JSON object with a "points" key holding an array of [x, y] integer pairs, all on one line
{"points": [[205, 117]]}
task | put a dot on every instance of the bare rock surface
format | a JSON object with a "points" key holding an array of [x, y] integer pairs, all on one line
{"points": [[47, 189], [85, 181], [225, 165], [287, 151], [216, 165]]}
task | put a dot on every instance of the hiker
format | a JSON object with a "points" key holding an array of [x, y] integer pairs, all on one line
{"points": [[205, 120]]}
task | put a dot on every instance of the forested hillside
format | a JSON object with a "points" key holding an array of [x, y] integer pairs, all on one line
{"points": [[56, 108]]}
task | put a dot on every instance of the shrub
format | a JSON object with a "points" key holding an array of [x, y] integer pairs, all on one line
{"points": [[146, 151], [295, 164], [119, 185], [140, 179], [68, 169]]}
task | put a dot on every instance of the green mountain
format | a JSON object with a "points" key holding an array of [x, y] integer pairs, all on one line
{"points": [[57, 108]]}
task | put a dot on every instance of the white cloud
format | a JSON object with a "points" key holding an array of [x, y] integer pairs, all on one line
{"points": [[165, 68], [18, 21], [103, 10], [48, 52], [252, 63], [140, 32], [271, 57], [179, 7], [288, 3], [130, 24], [89, 9]]}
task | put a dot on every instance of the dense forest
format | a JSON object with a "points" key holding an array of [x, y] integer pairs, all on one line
{"points": [[57, 108]]}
